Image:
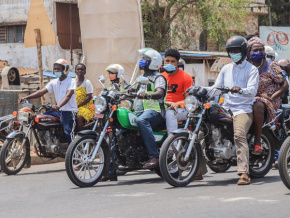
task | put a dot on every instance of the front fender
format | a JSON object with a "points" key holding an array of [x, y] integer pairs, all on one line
{"points": [[186, 131], [87, 132], [15, 133]]}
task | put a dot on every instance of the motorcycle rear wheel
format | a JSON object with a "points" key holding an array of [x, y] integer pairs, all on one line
{"points": [[284, 162], [174, 169], [81, 172], [2, 139], [260, 165], [12, 160]]}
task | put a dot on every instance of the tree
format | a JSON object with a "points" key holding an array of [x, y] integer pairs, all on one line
{"points": [[216, 17]]}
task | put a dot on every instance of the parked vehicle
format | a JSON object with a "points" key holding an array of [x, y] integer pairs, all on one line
{"points": [[47, 131], [212, 136], [89, 154], [284, 162]]}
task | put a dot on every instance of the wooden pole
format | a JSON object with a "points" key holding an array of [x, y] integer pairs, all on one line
{"points": [[39, 57]]}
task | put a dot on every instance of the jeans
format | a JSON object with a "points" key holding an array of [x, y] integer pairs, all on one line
{"points": [[68, 121], [146, 121]]}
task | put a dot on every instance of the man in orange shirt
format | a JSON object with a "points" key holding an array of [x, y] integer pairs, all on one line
{"points": [[178, 82]]}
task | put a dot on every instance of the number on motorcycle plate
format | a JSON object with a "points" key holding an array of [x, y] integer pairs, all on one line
{"points": [[99, 116]]}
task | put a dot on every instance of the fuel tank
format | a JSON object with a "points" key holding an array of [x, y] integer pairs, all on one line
{"points": [[218, 114], [47, 121]]}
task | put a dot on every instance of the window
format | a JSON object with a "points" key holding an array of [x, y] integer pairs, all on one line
{"points": [[203, 41], [12, 34]]}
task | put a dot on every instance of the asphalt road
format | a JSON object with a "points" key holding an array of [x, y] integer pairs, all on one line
{"points": [[46, 191]]}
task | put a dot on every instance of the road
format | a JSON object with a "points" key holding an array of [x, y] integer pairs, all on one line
{"points": [[46, 191]]}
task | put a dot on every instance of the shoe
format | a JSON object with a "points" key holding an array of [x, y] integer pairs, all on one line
{"points": [[198, 177], [244, 180], [258, 150], [152, 163], [111, 177], [275, 166]]}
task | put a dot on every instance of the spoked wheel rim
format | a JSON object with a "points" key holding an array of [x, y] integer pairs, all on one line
{"points": [[14, 155], [83, 169], [179, 169]]}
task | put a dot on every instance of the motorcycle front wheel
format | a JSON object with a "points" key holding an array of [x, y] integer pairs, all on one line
{"points": [[80, 171], [12, 157], [284, 162], [174, 169]]}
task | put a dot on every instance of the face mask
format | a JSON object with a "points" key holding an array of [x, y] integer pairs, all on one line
{"points": [[257, 56], [269, 59], [142, 64], [169, 68], [236, 57], [57, 74]]}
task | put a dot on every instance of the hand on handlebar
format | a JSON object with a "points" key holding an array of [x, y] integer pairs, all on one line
{"points": [[236, 89], [144, 95], [21, 100], [55, 107]]}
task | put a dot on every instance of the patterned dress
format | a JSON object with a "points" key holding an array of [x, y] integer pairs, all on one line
{"points": [[270, 80], [86, 111]]}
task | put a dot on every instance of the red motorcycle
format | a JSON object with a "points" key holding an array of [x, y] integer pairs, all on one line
{"points": [[47, 136]]}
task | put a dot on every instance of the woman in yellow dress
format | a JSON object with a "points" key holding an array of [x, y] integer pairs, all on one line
{"points": [[84, 92]]}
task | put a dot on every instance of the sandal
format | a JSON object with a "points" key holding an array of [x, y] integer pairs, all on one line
{"points": [[258, 150], [275, 166], [244, 180]]}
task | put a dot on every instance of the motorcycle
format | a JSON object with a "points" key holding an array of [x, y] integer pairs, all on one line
{"points": [[47, 131], [88, 156], [211, 137]]}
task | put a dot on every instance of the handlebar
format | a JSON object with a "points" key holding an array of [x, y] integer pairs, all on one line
{"points": [[227, 89]]}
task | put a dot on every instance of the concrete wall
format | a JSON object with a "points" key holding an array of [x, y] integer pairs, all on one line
{"points": [[16, 54]]}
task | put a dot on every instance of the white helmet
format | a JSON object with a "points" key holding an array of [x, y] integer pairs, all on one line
{"points": [[153, 58], [276, 57], [270, 53], [116, 69], [64, 63]]}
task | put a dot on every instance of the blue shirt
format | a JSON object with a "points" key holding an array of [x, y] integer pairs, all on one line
{"points": [[245, 76]]}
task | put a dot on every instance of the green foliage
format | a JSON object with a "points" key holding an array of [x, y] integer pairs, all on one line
{"points": [[216, 17]]}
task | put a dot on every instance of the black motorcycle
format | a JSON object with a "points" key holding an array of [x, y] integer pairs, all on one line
{"points": [[209, 133]]}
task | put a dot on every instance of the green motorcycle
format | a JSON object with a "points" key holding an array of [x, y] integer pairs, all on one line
{"points": [[115, 135]]}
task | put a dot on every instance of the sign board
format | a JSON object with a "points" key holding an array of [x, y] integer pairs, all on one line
{"points": [[38, 19], [277, 38], [219, 63]]}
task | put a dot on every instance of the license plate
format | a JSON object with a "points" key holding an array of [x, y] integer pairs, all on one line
{"points": [[99, 116]]}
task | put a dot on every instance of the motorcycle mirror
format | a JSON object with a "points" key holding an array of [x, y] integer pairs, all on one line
{"points": [[142, 80], [102, 80]]}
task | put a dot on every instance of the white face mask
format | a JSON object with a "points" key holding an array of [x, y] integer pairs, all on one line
{"points": [[58, 74], [268, 59]]}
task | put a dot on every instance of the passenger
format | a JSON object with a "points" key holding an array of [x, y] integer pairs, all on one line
{"points": [[272, 85], [178, 82], [149, 104], [64, 94], [84, 93], [240, 76]]}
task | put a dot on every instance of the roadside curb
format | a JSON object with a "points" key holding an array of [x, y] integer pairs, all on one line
{"points": [[35, 160]]}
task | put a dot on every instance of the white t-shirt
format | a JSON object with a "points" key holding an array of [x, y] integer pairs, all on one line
{"points": [[86, 83], [60, 88]]}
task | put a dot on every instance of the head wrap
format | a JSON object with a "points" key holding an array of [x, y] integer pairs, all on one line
{"points": [[255, 40]]}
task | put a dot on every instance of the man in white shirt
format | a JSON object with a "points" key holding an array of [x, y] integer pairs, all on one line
{"points": [[64, 93], [242, 77]]}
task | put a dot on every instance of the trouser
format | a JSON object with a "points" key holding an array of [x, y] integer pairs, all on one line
{"points": [[172, 118], [242, 124], [68, 121], [146, 121]]}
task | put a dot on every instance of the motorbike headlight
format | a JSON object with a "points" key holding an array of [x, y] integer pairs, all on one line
{"points": [[191, 103], [126, 104], [100, 104], [23, 116]]}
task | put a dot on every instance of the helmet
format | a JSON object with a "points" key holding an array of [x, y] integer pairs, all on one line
{"points": [[64, 63], [270, 53], [181, 64], [153, 58], [116, 69], [238, 42], [283, 63]]}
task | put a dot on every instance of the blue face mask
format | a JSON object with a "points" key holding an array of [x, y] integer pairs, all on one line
{"points": [[169, 68], [142, 64], [57, 74], [257, 56], [236, 57]]}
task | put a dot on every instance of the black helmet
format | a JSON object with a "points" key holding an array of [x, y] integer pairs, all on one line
{"points": [[238, 42]]}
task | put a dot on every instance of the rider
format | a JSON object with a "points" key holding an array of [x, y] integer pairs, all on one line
{"points": [[149, 104], [116, 72], [64, 94], [242, 77]]}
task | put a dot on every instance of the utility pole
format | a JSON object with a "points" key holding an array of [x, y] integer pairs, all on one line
{"points": [[270, 14]]}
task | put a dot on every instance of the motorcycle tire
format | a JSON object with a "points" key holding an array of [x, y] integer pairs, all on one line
{"points": [[260, 165], [12, 167], [284, 162], [174, 170], [80, 172], [2, 139]]}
